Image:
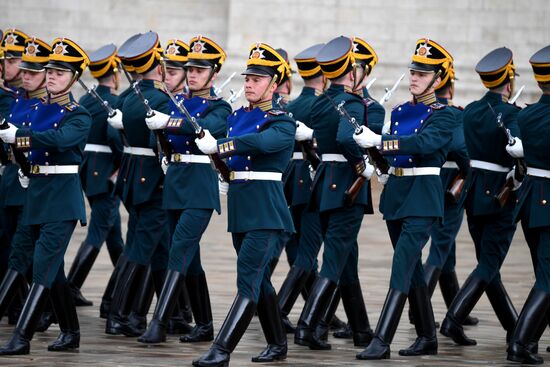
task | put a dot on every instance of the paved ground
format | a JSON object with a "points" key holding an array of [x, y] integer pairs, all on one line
{"points": [[219, 261]]}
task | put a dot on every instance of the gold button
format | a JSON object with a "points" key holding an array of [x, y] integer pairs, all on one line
{"points": [[142, 180], [300, 181], [333, 186], [543, 202], [488, 192], [96, 173]]}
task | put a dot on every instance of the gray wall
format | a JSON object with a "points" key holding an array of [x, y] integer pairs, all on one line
{"points": [[467, 28]]}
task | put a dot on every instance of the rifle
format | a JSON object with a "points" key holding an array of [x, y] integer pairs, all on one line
{"points": [[218, 90], [370, 83], [521, 168], [455, 190], [389, 92], [162, 143], [19, 156], [106, 107], [217, 162], [374, 155], [308, 150], [235, 96], [516, 96]]}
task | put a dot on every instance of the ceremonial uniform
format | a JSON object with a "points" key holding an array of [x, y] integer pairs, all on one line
{"points": [[491, 226], [412, 201], [532, 210], [342, 163], [55, 139], [190, 193], [102, 155], [258, 147]]}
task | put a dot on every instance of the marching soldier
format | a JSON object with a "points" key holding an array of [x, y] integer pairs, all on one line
{"points": [[190, 189], [258, 149], [281, 97], [412, 200], [102, 155], [342, 163], [55, 138], [33, 75], [491, 226], [532, 209]]}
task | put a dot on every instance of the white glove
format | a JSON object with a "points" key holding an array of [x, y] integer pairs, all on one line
{"points": [[8, 135], [386, 128], [516, 150], [517, 183], [114, 177], [367, 138], [116, 120], [158, 121], [23, 180], [223, 187], [368, 171], [207, 144], [303, 132], [383, 178], [164, 164]]}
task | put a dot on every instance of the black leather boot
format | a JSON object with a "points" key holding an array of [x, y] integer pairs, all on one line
{"points": [[46, 319], [182, 316], [65, 311], [503, 306], [379, 347], [325, 323], [128, 282], [306, 289], [533, 314], [431, 275], [275, 336], [24, 330], [108, 294], [14, 310], [316, 306], [137, 318], [354, 305], [199, 297], [156, 332], [448, 284], [290, 289], [82, 264], [421, 307], [232, 330], [462, 305], [9, 289], [344, 333]]}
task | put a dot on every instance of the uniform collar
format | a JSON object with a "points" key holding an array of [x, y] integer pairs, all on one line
{"points": [[264, 106], [427, 99], [38, 94], [496, 97], [104, 88], [445, 101], [203, 93], [16, 84], [309, 91], [61, 100]]}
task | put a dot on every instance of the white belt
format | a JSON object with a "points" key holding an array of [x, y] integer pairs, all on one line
{"points": [[414, 171], [537, 172], [189, 158], [2, 168], [488, 166], [251, 175], [97, 148], [450, 164], [333, 158], [54, 170], [297, 156], [139, 151]]}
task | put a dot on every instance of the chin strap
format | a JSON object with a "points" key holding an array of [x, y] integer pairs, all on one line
{"points": [[273, 81], [212, 72], [436, 75], [357, 83], [180, 83], [76, 74]]}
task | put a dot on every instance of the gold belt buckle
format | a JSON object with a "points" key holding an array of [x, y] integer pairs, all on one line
{"points": [[177, 157], [398, 171], [231, 175], [35, 169]]}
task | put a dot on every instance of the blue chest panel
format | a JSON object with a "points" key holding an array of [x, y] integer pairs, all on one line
{"points": [[22, 111], [242, 122], [407, 119], [196, 107], [47, 116]]}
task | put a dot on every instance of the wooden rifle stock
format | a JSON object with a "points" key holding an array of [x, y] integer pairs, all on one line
{"points": [[519, 173], [19, 156], [308, 149], [351, 193], [218, 163], [455, 190], [380, 164]]}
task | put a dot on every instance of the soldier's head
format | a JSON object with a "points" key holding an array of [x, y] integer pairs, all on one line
{"points": [[205, 60], [13, 45], [66, 64], [309, 69], [497, 71], [144, 55], [430, 68], [365, 60], [337, 61], [105, 66], [285, 85], [121, 53], [265, 68], [175, 57], [35, 57], [540, 62]]}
